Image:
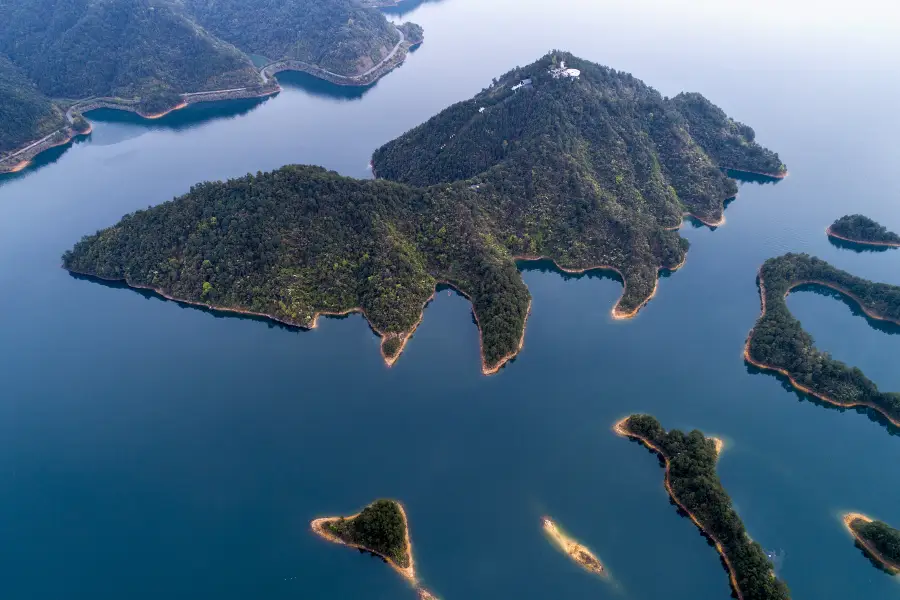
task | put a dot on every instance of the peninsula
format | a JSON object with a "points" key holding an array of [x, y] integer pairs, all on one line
{"points": [[878, 539], [154, 57], [778, 342], [571, 548], [380, 529], [860, 229], [693, 484], [583, 165]]}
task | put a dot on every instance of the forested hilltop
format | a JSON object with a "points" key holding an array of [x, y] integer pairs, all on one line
{"points": [[381, 528], [693, 483], [583, 185], [863, 230], [53, 52], [778, 341], [603, 144]]}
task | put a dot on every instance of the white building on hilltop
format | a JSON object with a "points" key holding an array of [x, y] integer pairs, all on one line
{"points": [[562, 71]]}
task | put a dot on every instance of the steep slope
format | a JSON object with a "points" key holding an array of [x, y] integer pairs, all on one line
{"points": [[127, 48], [25, 113], [563, 168], [639, 152], [338, 35]]}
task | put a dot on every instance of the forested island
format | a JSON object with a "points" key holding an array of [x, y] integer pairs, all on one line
{"points": [[382, 530], [878, 539], [779, 343], [860, 229], [151, 56], [693, 484], [592, 172]]}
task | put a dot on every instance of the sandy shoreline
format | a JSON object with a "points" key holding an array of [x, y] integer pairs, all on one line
{"points": [[313, 323], [799, 386], [831, 233], [408, 573], [617, 313], [579, 553], [620, 429], [848, 518]]}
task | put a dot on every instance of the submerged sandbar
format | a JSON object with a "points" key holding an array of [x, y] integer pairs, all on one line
{"points": [[573, 549]]}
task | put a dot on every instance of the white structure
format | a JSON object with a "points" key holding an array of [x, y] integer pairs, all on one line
{"points": [[562, 71]]}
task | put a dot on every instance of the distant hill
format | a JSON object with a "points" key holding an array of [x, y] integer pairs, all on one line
{"points": [[154, 50], [593, 171], [338, 35]]}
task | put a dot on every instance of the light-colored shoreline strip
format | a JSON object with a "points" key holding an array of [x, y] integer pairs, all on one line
{"points": [[617, 313], [313, 323], [848, 519], [831, 233], [409, 573], [266, 74], [572, 548], [786, 373], [620, 429]]}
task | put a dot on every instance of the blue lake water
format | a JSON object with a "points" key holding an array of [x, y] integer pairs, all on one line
{"points": [[151, 450]]}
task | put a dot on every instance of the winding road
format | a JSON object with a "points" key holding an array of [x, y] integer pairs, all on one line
{"points": [[266, 76]]}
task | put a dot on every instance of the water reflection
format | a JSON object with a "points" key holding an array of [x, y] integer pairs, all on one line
{"points": [[47, 157], [747, 177], [320, 88], [882, 326], [180, 120], [548, 266], [871, 413], [858, 248], [405, 6]]}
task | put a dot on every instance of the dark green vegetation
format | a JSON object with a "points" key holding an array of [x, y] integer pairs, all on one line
{"points": [[380, 527], [778, 340], [302, 240], [862, 229], [25, 114], [881, 536], [341, 36], [155, 50], [693, 480], [566, 169]]}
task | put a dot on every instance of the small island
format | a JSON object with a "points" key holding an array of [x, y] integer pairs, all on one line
{"points": [[457, 202], [779, 343], [693, 484], [380, 528], [860, 229], [878, 539], [571, 548]]}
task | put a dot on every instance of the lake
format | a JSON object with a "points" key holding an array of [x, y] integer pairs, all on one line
{"points": [[153, 450]]}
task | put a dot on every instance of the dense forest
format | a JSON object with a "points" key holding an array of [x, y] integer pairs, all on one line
{"points": [[155, 50], [341, 36], [25, 114], [779, 341], [380, 527], [621, 148], [695, 484], [884, 538], [300, 241], [862, 229]]}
